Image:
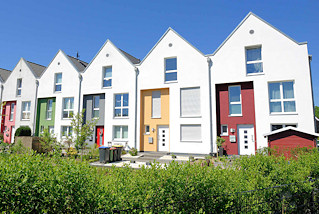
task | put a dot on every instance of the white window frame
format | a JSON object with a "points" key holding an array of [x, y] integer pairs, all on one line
{"points": [[197, 125], [122, 107], [56, 83], [95, 108], [11, 112], [67, 110], [121, 131], [26, 111], [221, 130], [48, 110], [234, 103], [170, 71], [19, 88], [281, 100], [106, 78], [69, 131], [283, 125], [51, 129], [254, 61]]}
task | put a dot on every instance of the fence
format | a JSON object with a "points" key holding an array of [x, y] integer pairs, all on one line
{"points": [[299, 197]]}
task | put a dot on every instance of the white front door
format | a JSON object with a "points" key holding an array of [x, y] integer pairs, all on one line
{"points": [[246, 140], [13, 131], [163, 138]]}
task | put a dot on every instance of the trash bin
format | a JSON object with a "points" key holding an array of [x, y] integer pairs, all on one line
{"points": [[119, 151], [113, 154], [102, 154]]}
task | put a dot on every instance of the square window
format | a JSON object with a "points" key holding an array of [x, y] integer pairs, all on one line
{"points": [[224, 130], [66, 131], [281, 97], [121, 103], [68, 105], [253, 60], [120, 132], [26, 113], [170, 69], [191, 133]]}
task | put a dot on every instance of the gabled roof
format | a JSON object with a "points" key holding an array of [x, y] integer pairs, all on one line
{"points": [[242, 22], [168, 30], [130, 57], [4, 74], [79, 64], [36, 68], [290, 128]]}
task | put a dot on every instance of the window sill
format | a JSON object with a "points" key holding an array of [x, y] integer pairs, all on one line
{"points": [[25, 119], [57, 92], [49, 119], [224, 135], [235, 115], [191, 116], [120, 140], [156, 118], [169, 82], [147, 133], [121, 118], [191, 141], [255, 74], [67, 118], [107, 87], [283, 113]]}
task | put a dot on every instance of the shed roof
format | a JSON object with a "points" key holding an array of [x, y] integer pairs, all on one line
{"points": [[290, 128]]}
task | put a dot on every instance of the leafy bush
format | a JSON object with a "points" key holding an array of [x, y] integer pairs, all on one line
{"points": [[133, 151], [18, 148], [23, 131]]}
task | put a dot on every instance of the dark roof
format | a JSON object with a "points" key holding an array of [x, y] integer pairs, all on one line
{"points": [[36, 68], [4, 74], [130, 57], [79, 64]]}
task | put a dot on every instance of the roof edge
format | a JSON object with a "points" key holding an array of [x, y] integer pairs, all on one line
{"points": [[289, 128]]}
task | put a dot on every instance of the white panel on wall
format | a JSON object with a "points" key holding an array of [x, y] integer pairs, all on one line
{"points": [[190, 102], [156, 104], [191, 132]]}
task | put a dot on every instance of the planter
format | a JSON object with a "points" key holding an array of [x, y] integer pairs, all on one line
{"points": [[221, 151]]}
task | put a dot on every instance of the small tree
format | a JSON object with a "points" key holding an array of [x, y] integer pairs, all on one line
{"points": [[82, 131], [220, 141], [47, 141]]}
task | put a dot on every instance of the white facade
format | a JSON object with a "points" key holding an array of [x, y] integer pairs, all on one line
{"points": [[192, 71], [70, 88], [283, 60], [123, 82]]}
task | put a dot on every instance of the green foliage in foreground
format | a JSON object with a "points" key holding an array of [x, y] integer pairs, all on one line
{"points": [[33, 183]]}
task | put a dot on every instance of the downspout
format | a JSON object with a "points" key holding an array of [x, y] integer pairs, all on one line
{"points": [[135, 126], [1, 107], [35, 105], [210, 63], [80, 87], [313, 104]]}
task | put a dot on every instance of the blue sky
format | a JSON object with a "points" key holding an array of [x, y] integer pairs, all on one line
{"points": [[37, 29]]}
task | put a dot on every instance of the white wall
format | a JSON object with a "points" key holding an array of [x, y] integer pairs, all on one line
{"points": [[192, 71], [28, 92], [283, 59], [70, 88], [123, 81]]}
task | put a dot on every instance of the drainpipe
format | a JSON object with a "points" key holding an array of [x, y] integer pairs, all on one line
{"points": [[135, 125], [80, 87], [35, 105], [1, 107], [210, 63], [313, 104]]}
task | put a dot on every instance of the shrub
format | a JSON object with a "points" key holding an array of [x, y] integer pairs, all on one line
{"points": [[133, 152], [23, 131]]}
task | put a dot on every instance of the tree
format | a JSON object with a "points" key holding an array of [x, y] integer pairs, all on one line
{"points": [[82, 131], [317, 111], [47, 140]]}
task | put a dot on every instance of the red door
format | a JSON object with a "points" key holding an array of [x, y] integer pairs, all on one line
{"points": [[100, 136]]}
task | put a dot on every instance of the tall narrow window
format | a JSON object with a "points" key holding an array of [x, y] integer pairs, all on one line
{"points": [[96, 106], [234, 100], [121, 105], [19, 87], [171, 69], [107, 77], [11, 111], [156, 104], [281, 97], [190, 102], [58, 82], [68, 105], [49, 109], [253, 60], [51, 129], [66, 131], [120, 132], [26, 110]]}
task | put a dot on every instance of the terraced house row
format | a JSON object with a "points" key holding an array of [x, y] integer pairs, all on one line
{"points": [[176, 99]]}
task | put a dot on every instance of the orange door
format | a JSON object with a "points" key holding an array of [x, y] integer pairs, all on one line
{"points": [[100, 136]]}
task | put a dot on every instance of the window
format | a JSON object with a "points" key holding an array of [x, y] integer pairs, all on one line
{"points": [[68, 104], [58, 82], [279, 126], [41, 129], [120, 132], [66, 131], [171, 69], [253, 60], [19, 87], [224, 130], [191, 133], [147, 129], [121, 105], [107, 77], [190, 102], [281, 97], [51, 129], [49, 109], [96, 106], [156, 104], [234, 100], [26, 110], [11, 112]]}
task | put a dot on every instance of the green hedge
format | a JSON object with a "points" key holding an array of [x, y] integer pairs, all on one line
{"points": [[23, 131], [36, 183]]}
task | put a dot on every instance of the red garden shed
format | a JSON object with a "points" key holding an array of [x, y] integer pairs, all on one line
{"points": [[289, 138]]}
